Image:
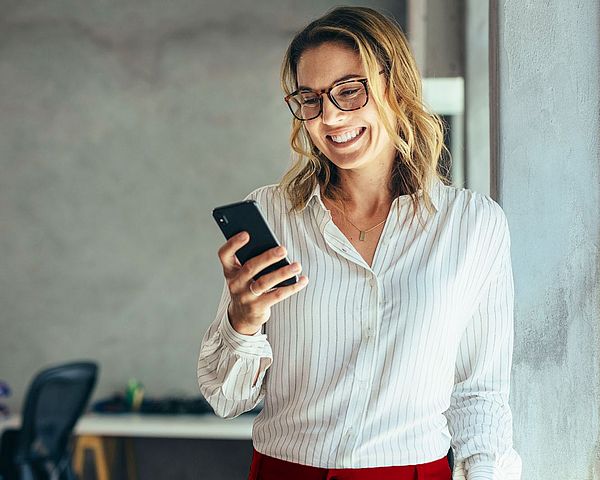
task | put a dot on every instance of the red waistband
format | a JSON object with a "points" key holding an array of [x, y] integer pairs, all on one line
{"points": [[265, 467]]}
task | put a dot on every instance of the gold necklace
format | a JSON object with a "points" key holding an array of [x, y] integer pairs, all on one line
{"points": [[362, 233]]}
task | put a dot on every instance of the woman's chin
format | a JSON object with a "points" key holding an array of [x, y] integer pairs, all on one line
{"points": [[347, 161]]}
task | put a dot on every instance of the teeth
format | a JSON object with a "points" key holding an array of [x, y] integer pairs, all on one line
{"points": [[346, 136]]}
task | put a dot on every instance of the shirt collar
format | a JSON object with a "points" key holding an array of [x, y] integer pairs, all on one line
{"points": [[315, 197], [435, 192]]}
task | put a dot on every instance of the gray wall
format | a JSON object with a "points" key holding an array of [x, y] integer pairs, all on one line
{"points": [[121, 125], [545, 143], [477, 111], [444, 24]]}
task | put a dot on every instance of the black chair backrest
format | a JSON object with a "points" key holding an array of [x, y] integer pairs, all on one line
{"points": [[54, 402]]}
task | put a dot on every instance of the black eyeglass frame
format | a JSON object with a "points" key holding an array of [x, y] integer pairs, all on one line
{"points": [[320, 93]]}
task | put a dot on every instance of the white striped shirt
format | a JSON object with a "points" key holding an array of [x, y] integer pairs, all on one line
{"points": [[382, 365]]}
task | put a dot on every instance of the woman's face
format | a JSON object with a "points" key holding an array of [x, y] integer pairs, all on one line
{"points": [[319, 68]]}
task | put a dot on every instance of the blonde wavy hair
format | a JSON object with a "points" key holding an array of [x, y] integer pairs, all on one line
{"points": [[417, 135]]}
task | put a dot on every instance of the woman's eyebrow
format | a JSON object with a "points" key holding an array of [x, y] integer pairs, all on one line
{"points": [[341, 79]]}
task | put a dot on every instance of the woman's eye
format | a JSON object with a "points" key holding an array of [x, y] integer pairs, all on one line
{"points": [[309, 102], [348, 92]]}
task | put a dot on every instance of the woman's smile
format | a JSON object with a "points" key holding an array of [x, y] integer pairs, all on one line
{"points": [[343, 140]]}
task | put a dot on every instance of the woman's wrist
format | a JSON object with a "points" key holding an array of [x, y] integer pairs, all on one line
{"points": [[242, 327]]}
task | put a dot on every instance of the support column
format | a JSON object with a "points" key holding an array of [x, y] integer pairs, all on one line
{"points": [[545, 172]]}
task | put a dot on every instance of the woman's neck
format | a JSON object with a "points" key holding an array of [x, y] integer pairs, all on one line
{"points": [[363, 197]]}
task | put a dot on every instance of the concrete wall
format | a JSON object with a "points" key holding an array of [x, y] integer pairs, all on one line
{"points": [[545, 144], [123, 123], [444, 22], [435, 31], [477, 112]]}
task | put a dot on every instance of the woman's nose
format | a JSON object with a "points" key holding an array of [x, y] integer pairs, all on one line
{"points": [[330, 114]]}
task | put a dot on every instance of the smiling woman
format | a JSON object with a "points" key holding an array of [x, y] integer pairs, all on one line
{"points": [[371, 46], [401, 345]]}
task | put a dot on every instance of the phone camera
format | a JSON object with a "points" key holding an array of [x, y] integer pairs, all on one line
{"points": [[223, 220]]}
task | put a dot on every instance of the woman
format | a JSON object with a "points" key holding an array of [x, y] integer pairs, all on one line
{"points": [[400, 346]]}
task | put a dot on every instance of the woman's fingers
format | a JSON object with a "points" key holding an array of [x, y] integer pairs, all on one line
{"points": [[258, 264], [280, 293], [268, 281], [240, 278], [227, 253]]}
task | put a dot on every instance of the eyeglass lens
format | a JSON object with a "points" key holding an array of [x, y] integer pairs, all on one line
{"points": [[347, 96]]}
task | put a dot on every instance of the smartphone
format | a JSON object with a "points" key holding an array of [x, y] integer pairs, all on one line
{"points": [[247, 216]]}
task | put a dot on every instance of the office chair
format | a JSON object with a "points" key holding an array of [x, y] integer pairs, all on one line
{"points": [[54, 402]]}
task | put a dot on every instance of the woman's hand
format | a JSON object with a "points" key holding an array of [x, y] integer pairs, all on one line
{"points": [[251, 301]]}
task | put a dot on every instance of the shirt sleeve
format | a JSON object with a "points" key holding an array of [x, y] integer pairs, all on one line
{"points": [[228, 363], [479, 417]]}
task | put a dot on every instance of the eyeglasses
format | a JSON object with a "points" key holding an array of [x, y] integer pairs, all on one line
{"points": [[347, 96]]}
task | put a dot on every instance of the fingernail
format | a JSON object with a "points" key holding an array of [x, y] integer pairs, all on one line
{"points": [[296, 267], [244, 236], [280, 251]]}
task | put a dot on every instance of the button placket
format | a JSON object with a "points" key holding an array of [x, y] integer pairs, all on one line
{"points": [[362, 372], [371, 325]]}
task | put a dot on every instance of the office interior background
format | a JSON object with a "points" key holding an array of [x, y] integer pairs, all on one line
{"points": [[122, 124]]}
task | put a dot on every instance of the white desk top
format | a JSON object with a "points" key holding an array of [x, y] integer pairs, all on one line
{"points": [[163, 426]]}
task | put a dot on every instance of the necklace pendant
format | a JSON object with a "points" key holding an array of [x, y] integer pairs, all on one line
{"points": [[361, 236]]}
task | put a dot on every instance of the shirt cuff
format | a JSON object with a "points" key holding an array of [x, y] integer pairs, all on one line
{"points": [[480, 466], [483, 471], [484, 466], [255, 345]]}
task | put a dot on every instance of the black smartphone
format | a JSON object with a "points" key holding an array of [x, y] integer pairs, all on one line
{"points": [[246, 216]]}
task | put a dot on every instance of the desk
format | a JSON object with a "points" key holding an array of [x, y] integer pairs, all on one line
{"points": [[93, 428], [162, 426]]}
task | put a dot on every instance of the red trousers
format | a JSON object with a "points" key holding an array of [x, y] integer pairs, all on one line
{"points": [[268, 468]]}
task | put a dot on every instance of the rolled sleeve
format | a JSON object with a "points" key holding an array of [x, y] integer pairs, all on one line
{"points": [[228, 363], [479, 417]]}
